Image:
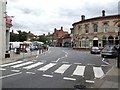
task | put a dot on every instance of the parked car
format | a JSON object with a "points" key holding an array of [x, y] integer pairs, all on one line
{"points": [[95, 50], [109, 51]]}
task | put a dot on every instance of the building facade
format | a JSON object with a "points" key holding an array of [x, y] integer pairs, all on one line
{"points": [[57, 37], [5, 25], [2, 30], [98, 31], [66, 40]]}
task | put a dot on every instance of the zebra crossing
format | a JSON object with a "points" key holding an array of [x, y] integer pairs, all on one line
{"points": [[79, 70]]}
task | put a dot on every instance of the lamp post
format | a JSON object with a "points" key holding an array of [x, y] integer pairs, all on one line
{"points": [[118, 61]]}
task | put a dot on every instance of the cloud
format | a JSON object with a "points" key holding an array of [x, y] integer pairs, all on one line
{"points": [[42, 16]]}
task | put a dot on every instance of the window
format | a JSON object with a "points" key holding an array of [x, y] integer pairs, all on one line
{"points": [[86, 28], [79, 29], [106, 27], [95, 28]]}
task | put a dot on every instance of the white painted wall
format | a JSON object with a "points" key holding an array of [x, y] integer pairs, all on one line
{"points": [[2, 30]]}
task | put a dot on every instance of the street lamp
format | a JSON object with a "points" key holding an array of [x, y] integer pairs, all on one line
{"points": [[118, 61]]}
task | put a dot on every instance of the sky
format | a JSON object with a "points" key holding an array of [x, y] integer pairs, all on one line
{"points": [[42, 16]]}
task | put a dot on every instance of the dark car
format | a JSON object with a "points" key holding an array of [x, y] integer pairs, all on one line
{"points": [[109, 51], [95, 50]]}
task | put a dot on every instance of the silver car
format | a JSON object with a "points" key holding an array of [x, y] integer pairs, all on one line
{"points": [[95, 50], [109, 51]]}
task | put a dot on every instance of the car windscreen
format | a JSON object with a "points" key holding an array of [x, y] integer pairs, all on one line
{"points": [[108, 48], [95, 48]]}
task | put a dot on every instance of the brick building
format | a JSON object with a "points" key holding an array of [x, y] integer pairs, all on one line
{"points": [[97, 31], [57, 37]]}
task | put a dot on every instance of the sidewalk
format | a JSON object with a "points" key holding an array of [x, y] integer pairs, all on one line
{"points": [[15, 57], [111, 79]]}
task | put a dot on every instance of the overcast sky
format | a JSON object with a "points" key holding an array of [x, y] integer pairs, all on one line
{"points": [[42, 16]]}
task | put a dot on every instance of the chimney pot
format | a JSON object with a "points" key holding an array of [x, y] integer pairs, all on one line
{"points": [[55, 30], [61, 28], [82, 17], [103, 13]]}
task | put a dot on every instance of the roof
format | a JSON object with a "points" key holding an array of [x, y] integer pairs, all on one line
{"points": [[97, 18]]}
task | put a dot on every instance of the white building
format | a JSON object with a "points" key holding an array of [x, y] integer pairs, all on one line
{"points": [[5, 25]]}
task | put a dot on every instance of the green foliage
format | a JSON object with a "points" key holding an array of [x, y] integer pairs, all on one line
{"points": [[42, 39], [22, 36]]}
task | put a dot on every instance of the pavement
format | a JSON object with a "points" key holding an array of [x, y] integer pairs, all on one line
{"points": [[21, 56], [110, 80]]}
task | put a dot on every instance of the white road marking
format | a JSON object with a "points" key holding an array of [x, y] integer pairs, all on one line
{"points": [[15, 70], [104, 65], [33, 65], [98, 72], [10, 75], [77, 63], [65, 62], [2, 69], [46, 67], [66, 78], [47, 75], [89, 81], [30, 72], [105, 61], [62, 69], [19, 65], [90, 64], [4, 65], [79, 70], [66, 55]]}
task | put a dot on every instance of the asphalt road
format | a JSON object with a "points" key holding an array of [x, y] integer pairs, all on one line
{"points": [[57, 68]]}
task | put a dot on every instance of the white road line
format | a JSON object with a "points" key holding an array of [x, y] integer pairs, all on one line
{"points": [[15, 70], [62, 69], [30, 72], [77, 63], [65, 62], [104, 65], [22, 64], [89, 81], [46, 67], [4, 65], [98, 72], [90, 64], [47, 75], [66, 78], [2, 69], [10, 75], [33, 65], [66, 55], [79, 70], [105, 61]]}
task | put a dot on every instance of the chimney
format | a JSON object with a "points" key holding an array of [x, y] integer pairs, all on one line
{"points": [[43, 34], [55, 30], [61, 28], [103, 13], [48, 33], [82, 17]]}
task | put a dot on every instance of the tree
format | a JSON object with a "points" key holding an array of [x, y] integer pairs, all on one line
{"points": [[42, 39], [22, 36]]}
